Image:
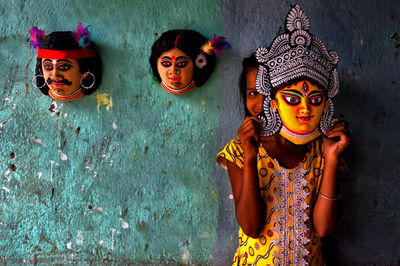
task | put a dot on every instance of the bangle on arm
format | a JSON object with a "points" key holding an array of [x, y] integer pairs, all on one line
{"points": [[330, 198]]}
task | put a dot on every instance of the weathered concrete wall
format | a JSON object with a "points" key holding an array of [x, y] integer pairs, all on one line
{"points": [[128, 175], [125, 175]]}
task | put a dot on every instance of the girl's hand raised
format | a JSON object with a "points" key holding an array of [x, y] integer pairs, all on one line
{"points": [[337, 140], [249, 135]]}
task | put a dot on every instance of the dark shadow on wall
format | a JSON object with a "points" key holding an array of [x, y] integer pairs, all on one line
{"points": [[364, 34]]}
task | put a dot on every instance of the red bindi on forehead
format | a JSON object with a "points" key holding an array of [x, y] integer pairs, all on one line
{"points": [[173, 57]]}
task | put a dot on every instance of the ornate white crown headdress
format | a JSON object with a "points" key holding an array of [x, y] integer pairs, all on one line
{"points": [[294, 54]]}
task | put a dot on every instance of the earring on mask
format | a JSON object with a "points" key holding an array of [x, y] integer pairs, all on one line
{"points": [[34, 81], [327, 118], [84, 76], [271, 122], [201, 61]]}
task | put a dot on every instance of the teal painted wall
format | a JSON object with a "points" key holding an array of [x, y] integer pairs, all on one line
{"points": [[136, 182], [129, 179]]}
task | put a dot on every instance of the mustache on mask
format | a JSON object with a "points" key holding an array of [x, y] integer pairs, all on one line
{"points": [[65, 81]]}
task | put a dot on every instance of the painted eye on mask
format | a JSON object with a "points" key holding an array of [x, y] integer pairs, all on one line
{"points": [[291, 100], [316, 100], [64, 67], [182, 64], [48, 67], [166, 63]]}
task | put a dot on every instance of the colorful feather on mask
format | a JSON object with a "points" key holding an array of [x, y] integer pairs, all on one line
{"points": [[36, 36], [215, 45], [82, 36]]}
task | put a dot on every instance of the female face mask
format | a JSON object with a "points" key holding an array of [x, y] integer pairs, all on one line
{"points": [[300, 107], [175, 69]]}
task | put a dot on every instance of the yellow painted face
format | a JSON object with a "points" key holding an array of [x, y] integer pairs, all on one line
{"points": [[300, 106], [62, 76], [175, 68]]}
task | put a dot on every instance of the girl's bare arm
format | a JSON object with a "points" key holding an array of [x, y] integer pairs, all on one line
{"points": [[325, 210], [250, 207]]}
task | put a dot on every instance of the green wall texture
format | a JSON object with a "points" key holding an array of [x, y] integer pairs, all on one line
{"points": [[128, 175], [123, 175]]}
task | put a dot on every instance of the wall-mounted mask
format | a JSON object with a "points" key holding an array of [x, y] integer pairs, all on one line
{"points": [[68, 66], [184, 59], [298, 77]]}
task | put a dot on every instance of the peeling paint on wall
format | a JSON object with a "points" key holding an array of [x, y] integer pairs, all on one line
{"points": [[104, 99]]}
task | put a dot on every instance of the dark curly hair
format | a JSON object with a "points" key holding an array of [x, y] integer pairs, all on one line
{"points": [[64, 40], [189, 42]]}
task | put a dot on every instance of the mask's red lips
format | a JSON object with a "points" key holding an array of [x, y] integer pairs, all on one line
{"points": [[304, 118], [175, 79], [58, 84]]}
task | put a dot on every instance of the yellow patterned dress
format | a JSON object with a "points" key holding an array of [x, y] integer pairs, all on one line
{"points": [[288, 237]]}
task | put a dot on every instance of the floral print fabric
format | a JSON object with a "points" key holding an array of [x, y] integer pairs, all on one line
{"points": [[288, 237]]}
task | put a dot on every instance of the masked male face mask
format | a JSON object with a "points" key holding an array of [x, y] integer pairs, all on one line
{"points": [[62, 76]]}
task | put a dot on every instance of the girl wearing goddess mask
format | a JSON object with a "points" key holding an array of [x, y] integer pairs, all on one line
{"points": [[282, 170], [184, 59]]}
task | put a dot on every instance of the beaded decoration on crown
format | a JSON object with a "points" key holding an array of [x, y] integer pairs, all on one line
{"points": [[294, 54]]}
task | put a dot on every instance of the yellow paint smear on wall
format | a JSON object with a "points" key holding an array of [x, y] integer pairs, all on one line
{"points": [[213, 193], [104, 99]]}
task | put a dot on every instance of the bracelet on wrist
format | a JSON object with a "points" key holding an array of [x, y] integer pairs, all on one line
{"points": [[330, 198]]}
